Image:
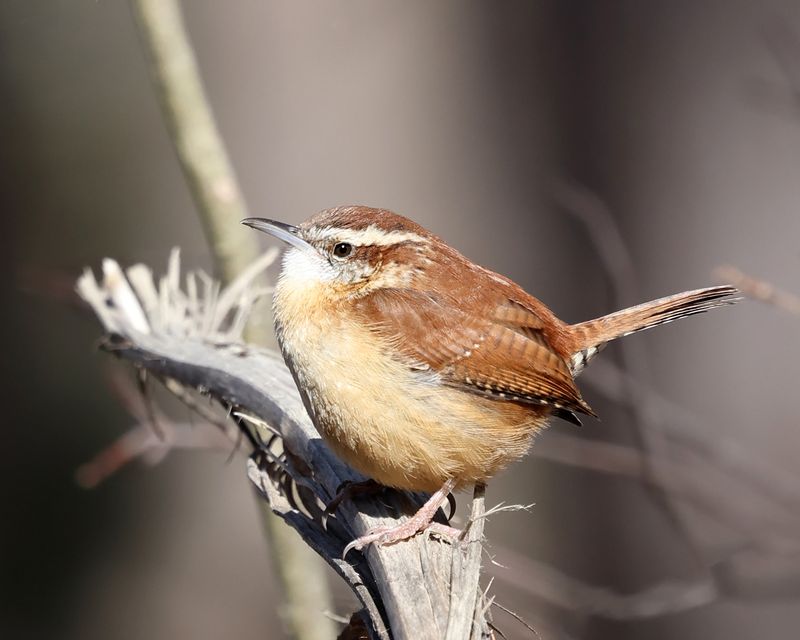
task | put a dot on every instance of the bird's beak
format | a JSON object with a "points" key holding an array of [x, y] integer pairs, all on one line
{"points": [[280, 230]]}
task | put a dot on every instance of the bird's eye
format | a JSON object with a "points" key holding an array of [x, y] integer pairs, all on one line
{"points": [[342, 249]]}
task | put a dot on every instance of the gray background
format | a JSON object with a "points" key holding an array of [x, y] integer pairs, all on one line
{"points": [[467, 116]]}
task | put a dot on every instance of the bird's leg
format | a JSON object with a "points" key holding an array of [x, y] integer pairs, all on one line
{"points": [[422, 520]]}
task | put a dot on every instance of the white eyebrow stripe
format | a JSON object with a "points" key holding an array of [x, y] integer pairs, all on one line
{"points": [[370, 236]]}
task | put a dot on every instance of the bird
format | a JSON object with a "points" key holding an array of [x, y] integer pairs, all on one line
{"points": [[421, 369]]}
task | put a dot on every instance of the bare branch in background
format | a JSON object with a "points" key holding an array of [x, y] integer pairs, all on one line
{"points": [[194, 133], [681, 463], [220, 206], [740, 465], [760, 290], [781, 98], [142, 442], [554, 587], [617, 262]]}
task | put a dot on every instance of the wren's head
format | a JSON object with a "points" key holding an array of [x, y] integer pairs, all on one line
{"points": [[351, 250]]}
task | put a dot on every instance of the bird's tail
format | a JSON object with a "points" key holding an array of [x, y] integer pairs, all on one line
{"points": [[591, 336]]}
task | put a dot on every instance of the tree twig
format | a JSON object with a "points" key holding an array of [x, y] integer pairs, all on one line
{"points": [[220, 205], [192, 128], [760, 290], [550, 585], [617, 262]]}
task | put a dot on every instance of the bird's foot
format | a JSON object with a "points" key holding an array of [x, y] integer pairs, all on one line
{"points": [[422, 520]]}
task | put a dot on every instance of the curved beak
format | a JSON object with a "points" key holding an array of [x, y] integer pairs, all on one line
{"points": [[280, 230]]}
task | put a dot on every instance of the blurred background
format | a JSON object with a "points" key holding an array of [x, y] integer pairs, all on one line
{"points": [[598, 153]]}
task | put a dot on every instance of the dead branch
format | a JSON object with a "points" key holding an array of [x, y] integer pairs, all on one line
{"points": [[550, 585], [677, 460], [760, 290], [416, 589], [616, 260]]}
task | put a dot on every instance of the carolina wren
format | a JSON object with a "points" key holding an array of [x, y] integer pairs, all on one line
{"points": [[421, 369]]}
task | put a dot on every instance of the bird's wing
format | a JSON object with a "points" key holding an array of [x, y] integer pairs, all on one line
{"points": [[505, 356]]}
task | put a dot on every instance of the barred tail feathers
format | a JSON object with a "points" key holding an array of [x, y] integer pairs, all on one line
{"points": [[591, 336]]}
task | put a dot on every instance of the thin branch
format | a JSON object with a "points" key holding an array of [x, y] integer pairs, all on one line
{"points": [[518, 618], [140, 442], [687, 433], [200, 149], [548, 584], [760, 290], [618, 264], [220, 205], [759, 515]]}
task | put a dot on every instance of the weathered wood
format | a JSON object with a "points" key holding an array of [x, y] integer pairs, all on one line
{"points": [[417, 589]]}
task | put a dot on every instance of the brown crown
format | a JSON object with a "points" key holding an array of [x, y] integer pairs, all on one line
{"points": [[361, 217]]}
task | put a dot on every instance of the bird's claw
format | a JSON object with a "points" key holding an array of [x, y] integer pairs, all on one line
{"points": [[347, 491]]}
